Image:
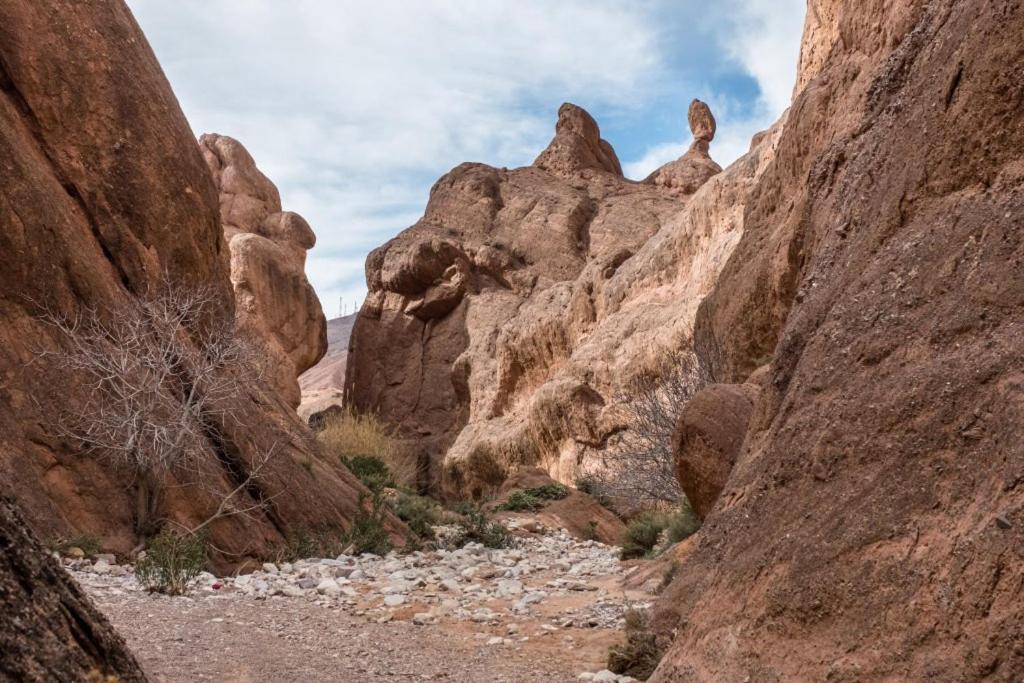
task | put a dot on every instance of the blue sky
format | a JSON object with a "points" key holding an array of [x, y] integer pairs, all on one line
{"points": [[354, 109]]}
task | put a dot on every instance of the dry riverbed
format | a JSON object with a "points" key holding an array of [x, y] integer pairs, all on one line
{"points": [[546, 610]]}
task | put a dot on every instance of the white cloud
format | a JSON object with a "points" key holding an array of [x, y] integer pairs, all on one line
{"points": [[355, 108]]}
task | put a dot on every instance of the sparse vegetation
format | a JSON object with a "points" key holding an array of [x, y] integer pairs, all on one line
{"points": [[419, 513], [172, 562], [639, 471], [644, 531], [642, 535], [371, 470], [535, 498], [164, 370], [639, 655], [590, 532], [368, 534], [305, 543], [358, 439], [476, 527], [670, 573]]}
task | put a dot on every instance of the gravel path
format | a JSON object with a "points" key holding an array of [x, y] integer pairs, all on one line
{"points": [[545, 611]]}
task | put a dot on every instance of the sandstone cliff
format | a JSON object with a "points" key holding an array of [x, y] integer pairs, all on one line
{"points": [[323, 384], [500, 329], [105, 192], [274, 302], [872, 526]]}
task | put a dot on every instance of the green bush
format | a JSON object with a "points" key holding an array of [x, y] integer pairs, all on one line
{"points": [[419, 513], [639, 655], [476, 527], [682, 524], [371, 470], [368, 534], [172, 562], [535, 498], [641, 536], [590, 532], [303, 544]]}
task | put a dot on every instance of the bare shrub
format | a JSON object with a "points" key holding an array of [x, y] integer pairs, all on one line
{"points": [[355, 438], [638, 470], [162, 370]]}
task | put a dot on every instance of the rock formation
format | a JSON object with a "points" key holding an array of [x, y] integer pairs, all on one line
{"points": [[499, 330], [684, 176], [872, 526], [50, 630], [105, 193], [274, 302], [323, 384]]}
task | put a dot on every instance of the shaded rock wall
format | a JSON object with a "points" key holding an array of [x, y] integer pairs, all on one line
{"points": [[872, 526], [50, 631], [104, 191]]}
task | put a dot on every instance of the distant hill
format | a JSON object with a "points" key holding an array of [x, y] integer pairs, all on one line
{"points": [[322, 384]]}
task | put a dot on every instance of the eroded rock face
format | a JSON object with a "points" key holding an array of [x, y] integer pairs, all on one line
{"points": [[50, 630], [274, 301], [500, 329], [872, 525], [104, 193]]}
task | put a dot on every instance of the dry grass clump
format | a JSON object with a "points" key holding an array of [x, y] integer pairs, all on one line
{"points": [[351, 436]]}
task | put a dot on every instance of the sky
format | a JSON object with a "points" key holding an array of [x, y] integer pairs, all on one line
{"points": [[354, 109]]}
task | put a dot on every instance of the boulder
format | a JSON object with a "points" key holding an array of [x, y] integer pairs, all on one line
{"points": [[689, 172], [707, 440]]}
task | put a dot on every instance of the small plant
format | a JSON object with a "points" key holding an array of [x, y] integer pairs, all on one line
{"points": [[172, 562], [535, 498], [368, 534], [419, 513], [590, 532], [682, 524], [370, 470], [352, 435], [476, 527], [639, 655], [304, 544], [641, 536]]}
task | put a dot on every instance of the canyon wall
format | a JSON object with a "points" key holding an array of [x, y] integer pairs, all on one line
{"points": [[501, 329], [105, 193], [872, 527]]}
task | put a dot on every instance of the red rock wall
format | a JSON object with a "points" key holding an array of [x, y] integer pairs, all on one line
{"points": [[873, 526], [103, 190]]}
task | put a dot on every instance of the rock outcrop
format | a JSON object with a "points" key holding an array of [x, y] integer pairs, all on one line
{"points": [[872, 526], [684, 176], [274, 302], [104, 194], [499, 330], [707, 440], [50, 630]]}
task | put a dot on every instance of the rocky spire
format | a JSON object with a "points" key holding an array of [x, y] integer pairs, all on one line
{"points": [[577, 146], [685, 175]]}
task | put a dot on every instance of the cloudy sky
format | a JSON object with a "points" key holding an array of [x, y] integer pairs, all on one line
{"points": [[355, 108]]}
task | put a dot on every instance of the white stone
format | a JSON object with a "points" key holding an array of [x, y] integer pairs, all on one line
{"points": [[328, 587], [394, 600], [605, 676]]}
